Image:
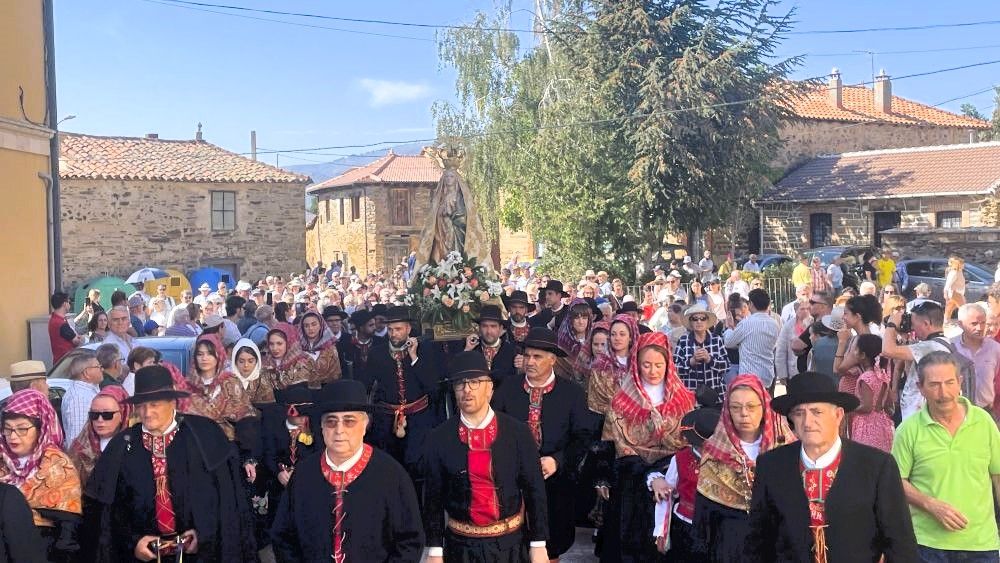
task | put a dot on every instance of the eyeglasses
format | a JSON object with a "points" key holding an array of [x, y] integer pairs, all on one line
{"points": [[21, 431], [751, 408], [106, 415], [118, 319], [699, 319], [332, 422], [473, 384]]}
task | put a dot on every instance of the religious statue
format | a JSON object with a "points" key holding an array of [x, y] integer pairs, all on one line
{"points": [[453, 223]]}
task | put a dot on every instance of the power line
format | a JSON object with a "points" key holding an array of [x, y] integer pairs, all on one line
{"points": [[906, 52], [896, 28], [298, 24]]}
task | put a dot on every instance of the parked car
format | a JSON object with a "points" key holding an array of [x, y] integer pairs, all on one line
{"points": [[853, 259], [57, 388], [178, 350], [932, 272], [766, 260]]}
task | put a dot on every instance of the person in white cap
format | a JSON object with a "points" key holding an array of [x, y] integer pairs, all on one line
{"points": [[202, 297], [29, 374]]}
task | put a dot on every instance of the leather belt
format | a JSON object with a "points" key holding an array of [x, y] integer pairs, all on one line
{"points": [[407, 408], [497, 529]]}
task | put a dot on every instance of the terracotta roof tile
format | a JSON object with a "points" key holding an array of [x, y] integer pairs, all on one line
{"points": [[134, 158], [391, 168], [859, 107], [921, 171]]}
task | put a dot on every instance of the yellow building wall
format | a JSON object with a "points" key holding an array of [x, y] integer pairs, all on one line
{"points": [[24, 153]]}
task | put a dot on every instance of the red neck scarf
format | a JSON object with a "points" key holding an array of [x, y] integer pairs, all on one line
{"points": [[535, 395], [485, 506], [166, 521], [817, 483], [340, 480]]}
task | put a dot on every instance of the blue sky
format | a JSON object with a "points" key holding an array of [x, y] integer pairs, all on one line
{"points": [[130, 67]]}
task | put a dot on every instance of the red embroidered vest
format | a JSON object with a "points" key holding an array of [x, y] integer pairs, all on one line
{"points": [[485, 506], [340, 480], [687, 482], [817, 483]]}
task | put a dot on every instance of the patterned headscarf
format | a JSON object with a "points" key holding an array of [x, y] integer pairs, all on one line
{"points": [[293, 352], [608, 361], [724, 444], [32, 404], [565, 338], [86, 448], [633, 403], [218, 350], [323, 341]]}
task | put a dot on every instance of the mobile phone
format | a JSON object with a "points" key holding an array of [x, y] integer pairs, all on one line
{"points": [[270, 298], [86, 302]]}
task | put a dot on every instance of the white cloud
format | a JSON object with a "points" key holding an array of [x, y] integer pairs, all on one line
{"points": [[389, 92]]}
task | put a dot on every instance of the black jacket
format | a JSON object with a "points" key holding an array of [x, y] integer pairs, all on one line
{"points": [[20, 541], [381, 516], [517, 477], [352, 364], [206, 488], [866, 510], [543, 317]]}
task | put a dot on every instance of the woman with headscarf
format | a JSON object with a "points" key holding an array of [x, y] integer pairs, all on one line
{"points": [[608, 370], [748, 427], [215, 391], [109, 413], [318, 342], [644, 423], [33, 462], [572, 338], [286, 364], [248, 367]]}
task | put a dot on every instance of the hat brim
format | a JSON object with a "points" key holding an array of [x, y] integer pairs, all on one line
{"points": [[340, 315], [547, 348], [528, 304], [162, 395], [785, 403], [713, 319], [319, 409], [503, 322], [467, 375]]}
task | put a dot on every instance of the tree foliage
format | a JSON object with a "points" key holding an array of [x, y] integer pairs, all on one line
{"points": [[632, 119]]}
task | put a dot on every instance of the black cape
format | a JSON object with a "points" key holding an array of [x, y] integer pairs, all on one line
{"points": [[351, 363], [866, 510], [517, 477], [205, 481], [542, 318], [20, 541], [422, 378], [565, 434], [381, 516]]}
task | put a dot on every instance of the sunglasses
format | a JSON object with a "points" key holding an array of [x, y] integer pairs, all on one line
{"points": [[106, 415], [699, 319]]}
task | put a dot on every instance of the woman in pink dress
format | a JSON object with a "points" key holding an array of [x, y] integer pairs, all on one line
{"points": [[871, 423]]}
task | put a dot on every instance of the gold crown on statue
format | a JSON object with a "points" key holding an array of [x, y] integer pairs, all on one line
{"points": [[448, 156]]}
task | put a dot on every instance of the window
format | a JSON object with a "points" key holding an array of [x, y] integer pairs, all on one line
{"points": [[355, 207], [223, 211], [341, 200], [949, 219], [820, 230], [399, 206], [396, 251], [327, 203]]}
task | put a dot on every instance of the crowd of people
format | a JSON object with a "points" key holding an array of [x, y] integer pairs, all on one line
{"points": [[317, 419]]}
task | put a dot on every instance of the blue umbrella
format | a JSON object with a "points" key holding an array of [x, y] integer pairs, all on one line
{"points": [[145, 274]]}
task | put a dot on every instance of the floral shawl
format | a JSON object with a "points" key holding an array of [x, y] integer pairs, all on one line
{"points": [[606, 373], [295, 366], [634, 424], [727, 473], [222, 399], [259, 386], [323, 351], [564, 336], [86, 448]]}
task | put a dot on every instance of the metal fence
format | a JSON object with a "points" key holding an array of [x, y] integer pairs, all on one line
{"points": [[781, 291]]}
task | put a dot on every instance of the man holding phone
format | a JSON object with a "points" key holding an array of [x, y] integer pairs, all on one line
{"points": [[499, 354]]}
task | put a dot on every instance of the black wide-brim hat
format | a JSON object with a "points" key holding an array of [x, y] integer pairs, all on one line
{"points": [[342, 395], [361, 316], [629, 307], [334, 311], [153, 383], [541, 338], [468, 365], [490, 313], [380, 309], [812, 387], [699, 425], [398, 314], [518, 296], [553, 285]]}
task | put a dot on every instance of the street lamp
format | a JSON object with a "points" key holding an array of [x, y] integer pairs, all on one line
{"points": [[67, 118]]}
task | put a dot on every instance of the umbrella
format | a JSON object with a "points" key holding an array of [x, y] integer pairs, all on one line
{"points": [[145, 274]]}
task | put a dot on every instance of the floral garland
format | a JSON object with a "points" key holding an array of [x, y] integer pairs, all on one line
{"points": [[452, 291]]}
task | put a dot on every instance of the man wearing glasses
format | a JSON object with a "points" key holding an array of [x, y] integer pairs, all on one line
{"points": [[118, 323], [85, 373], [350, 502], [485, 491]]}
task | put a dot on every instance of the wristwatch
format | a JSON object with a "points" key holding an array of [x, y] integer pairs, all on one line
{"points": [[890, 324]]}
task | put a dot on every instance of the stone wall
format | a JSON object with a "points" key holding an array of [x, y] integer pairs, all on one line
{"points": [[786, 226], [978, 244], [115, 227], [805, 139]]}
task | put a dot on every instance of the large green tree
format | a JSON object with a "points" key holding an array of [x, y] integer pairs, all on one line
{"points": [[629, 120]]}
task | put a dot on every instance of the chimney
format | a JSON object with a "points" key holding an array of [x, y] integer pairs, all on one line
{"points": [[152, 136], [883, 93], [197, 136], [836, 89], [253, 145]]}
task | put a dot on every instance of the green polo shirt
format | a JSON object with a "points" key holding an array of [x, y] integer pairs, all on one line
{"points": [[955, 470]]}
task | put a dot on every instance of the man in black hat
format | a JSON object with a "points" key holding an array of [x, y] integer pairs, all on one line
{"points": [[350, 502], [499, 353], [288, 439], [632, 308], [355, 350], [405, 388], [485, 490], [380, 313], [554, 312], [518, 308], [173, 480], [555, 410], [335, 317], [862, 517]]}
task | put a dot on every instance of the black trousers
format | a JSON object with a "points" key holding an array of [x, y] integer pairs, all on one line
{"points": [[510, 548]]}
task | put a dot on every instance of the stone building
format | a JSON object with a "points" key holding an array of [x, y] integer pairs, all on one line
{"points": [[922, 201], [370, 217], [184, 204]]}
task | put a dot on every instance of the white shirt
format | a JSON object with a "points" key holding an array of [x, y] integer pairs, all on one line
{"points": [[170, 428], [655, 393], [104, 443], [75, 408], [347, 464], [824, 460], [551, 378], [751, 267], [438, 551], [752, 449], [756, 338]]}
